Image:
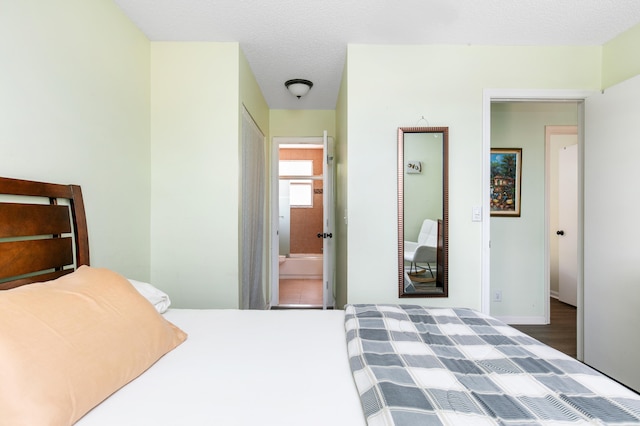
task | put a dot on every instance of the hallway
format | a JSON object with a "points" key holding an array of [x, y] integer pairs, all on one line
{"points": [[300, 293]]}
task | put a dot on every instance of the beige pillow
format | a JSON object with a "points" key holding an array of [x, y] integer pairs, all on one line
{"points": [[67, 344]]}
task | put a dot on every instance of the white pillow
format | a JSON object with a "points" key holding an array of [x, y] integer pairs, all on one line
{"points": [[159, 299]]}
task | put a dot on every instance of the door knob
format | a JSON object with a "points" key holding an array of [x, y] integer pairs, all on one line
{"points": [[560, 232]]}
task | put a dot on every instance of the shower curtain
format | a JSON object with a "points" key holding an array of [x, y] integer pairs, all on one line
{"points": [[254, 180]]}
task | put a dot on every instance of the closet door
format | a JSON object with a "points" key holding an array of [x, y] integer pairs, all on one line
{"points": [[612, 232]]}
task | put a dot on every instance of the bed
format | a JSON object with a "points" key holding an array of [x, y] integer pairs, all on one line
{"points": [[88, 346]]}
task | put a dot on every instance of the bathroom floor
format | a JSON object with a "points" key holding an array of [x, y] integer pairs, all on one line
{"points": [[298, 293]]}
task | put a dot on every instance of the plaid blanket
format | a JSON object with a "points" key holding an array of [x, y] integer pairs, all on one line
{"points": [[422, 366]]}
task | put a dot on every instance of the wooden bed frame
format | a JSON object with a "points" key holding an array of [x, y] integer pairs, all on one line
{"points": [[38, 235]]}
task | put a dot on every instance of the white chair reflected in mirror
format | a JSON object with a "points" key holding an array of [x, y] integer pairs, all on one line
{"points": [[422, 253]]}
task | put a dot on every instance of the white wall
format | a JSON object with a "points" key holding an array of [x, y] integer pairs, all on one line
{"points": [[195, 172], [74, 108], [391, 86]]}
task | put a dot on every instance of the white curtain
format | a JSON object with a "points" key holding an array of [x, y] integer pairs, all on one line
{"points": [[254, 181]]}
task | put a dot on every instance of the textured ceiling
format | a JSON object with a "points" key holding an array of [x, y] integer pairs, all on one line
{"points": [[284, 39]]}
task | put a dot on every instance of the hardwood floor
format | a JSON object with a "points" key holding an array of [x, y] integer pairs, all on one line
{"points": [[300, 294], [561, 333]]}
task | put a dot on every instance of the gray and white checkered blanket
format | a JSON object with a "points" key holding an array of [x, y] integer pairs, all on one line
{"points": [[431, 366]]}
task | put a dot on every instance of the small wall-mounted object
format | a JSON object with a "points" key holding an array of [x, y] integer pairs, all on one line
{"points": [[413, 166]]}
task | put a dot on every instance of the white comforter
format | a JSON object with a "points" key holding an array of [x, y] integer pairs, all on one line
{"points": [[286, 367]]}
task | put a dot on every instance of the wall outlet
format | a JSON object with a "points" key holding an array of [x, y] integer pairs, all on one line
{"points": [[497, 296]]}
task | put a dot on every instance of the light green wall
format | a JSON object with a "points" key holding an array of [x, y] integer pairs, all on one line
{"points": [[518, 243], [391, 86], [620, 58], [195, 172], [74, 108], [82, 102], [251, 97], [301, 122]]}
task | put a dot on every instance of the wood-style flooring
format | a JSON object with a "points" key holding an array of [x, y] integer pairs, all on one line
{"points": [[561, 333], [300, 294]]}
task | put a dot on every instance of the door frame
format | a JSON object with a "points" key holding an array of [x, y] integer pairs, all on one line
{"points": [[530, 95], [276, 141]]}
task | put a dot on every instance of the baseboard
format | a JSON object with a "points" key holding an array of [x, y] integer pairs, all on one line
{"points": [[554, 294], [523, 320]]}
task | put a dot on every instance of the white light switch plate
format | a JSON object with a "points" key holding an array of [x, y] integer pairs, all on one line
{"points": [[476, 214]]}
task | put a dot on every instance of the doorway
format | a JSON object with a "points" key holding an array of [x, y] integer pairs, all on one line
{"points": [[561, 153], [299, 222], [299, 208], [520, 247], [509, 95]]}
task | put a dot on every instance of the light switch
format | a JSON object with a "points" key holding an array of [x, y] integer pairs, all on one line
{"points": [[476, 214]]}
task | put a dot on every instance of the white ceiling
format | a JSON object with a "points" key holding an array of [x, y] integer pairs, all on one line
{"points": [[284, 39]]}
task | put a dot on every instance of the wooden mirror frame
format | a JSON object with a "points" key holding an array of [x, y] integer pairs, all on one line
{"points": [[442, 275]]}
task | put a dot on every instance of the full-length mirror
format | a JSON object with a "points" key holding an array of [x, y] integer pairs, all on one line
{"points": [[423, 213]]}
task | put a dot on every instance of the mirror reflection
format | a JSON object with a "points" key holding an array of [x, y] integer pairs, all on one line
{"points": [[422, 211]]}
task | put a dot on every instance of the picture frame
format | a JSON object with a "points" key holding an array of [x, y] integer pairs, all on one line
{"points": [[505, 182], [413, 166]]}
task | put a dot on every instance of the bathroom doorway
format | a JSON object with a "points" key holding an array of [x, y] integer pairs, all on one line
{"points": [[300, 238]]}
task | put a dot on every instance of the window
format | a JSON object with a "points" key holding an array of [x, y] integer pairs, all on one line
{"points": [[301, 193], [300, 190]]}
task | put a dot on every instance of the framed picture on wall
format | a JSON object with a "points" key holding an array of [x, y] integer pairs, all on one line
{"points": [[506, 174]]}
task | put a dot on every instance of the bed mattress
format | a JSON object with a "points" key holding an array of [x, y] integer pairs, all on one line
{"points": [[286, 367]]}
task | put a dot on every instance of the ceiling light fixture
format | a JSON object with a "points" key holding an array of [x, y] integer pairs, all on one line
{"points": [[298, 87]]}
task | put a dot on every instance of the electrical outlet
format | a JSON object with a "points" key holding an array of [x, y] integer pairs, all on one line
{"points": [[497, 296]]}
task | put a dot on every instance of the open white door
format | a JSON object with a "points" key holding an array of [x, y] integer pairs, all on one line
{"points": [[611, 232], [328, 247], [567, 232], [275, 225]]}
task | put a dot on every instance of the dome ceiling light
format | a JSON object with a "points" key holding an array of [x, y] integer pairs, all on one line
{"points": [[298, 87]]}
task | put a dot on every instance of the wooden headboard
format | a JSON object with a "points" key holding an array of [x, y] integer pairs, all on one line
{"points": [[38, 231]]}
